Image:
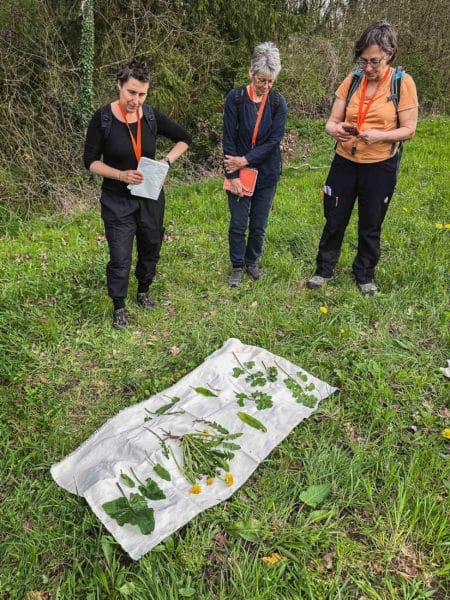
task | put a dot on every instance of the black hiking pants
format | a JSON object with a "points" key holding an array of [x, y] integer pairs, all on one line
{"points": [[373, 185], [127, 217]]}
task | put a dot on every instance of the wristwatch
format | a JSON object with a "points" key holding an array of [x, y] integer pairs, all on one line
{"points": [[167, 160]]}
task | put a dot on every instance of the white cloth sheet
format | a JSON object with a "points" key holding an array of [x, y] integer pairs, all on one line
{"points": [[123, 442]]}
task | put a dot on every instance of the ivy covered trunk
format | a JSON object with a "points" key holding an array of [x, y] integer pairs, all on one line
{"points": [[87, 60]]}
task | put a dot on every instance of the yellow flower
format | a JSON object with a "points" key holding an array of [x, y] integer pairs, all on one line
{"points": [[273, 559], [405, 209], [229, 479], [341, 330], [323, 309], [446, 433], [439, 226], [447, 226], [206, 431], [209, 480], [196, 489]]}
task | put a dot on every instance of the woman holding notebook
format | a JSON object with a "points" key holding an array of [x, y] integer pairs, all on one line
{"points": [[253, 127], [118, 135]]}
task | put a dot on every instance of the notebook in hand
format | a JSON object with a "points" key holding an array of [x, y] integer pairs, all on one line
{"points": [[248, 179]]}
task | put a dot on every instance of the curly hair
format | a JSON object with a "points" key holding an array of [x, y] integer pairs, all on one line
{"points": [[380, 33], [136, 68]]}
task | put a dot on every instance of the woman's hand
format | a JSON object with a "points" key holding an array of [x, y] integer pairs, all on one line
{"points": [[340, 134], [234, 163], [371, 136], [131, 177], [236, 187]]}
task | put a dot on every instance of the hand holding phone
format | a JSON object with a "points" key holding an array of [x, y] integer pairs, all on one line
{"points": [[351, 129]]}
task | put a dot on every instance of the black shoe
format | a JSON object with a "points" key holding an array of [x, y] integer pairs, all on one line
{"points": [[254, 271], [144, 300], [236, 276], [120, 320]]}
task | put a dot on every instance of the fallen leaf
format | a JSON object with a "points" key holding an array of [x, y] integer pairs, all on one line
{"points": [[254, 304], [328, 560], [174, 350], [165, 334]]}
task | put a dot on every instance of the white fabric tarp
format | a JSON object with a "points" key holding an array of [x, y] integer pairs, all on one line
{"points": [[124, 442]]}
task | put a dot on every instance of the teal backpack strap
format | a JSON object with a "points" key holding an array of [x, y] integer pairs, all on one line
{"points": [[396, 83], [354, 83]]}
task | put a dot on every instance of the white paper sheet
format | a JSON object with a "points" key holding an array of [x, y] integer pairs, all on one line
{"points": [[154, 175], [123, 442]]}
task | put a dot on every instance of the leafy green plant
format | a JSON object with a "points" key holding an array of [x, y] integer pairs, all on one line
{"points": [[251, 421]]}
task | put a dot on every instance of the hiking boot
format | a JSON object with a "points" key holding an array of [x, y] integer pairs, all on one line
{"points": [[317, 282], [144, 300], [120, 320], [254, 271], [368, 289], [236, 276]]}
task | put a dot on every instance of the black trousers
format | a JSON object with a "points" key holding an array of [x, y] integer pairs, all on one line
{"points": [[373, 185], [127, 217]]}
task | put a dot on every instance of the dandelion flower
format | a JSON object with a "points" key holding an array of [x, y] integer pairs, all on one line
{"points": [[206, 431], [273, 559], [341, 330], [229, 479], [196, 489], [439, 226], [209, 480], [446, 433], [323, 309], [447, 226]]}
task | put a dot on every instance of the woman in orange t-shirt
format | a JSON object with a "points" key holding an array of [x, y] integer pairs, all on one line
{"points": [[368, 131]]}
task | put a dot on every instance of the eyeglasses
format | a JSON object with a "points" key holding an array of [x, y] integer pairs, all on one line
{"points": [[262, 81], [364, 62]]}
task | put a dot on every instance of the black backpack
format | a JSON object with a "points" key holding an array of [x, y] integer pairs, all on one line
{"points": [[106, 119]]}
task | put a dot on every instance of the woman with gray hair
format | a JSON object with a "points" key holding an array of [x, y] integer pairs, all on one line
{"points": [[253, 127], [375, 109]]}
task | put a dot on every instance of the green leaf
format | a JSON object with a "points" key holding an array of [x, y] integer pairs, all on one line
{"points": [[186, 592], [205, 391], [249, 420], [251, 530], [237, 371], [127, 589], [107, 548], [126, 479], [133, 511], [151, 490], [162, 472], [250, 364], [315, 494]]}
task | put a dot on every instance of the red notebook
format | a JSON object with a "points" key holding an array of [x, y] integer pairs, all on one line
{"points": [[248, 178]]}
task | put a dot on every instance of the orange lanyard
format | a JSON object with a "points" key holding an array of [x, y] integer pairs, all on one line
{"points": [[260, 113], [137, 144], [362, 112]]}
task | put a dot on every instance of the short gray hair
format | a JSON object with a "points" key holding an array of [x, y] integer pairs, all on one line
{"points": [[380, 33], [266, 59]]}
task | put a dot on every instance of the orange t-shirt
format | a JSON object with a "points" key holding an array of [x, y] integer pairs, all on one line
{"points": [[381, 115]]}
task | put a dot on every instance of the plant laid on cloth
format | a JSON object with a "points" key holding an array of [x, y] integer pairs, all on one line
{"points": [[261, 399], [164, 410], [299, 392], [249, 420], [134, 510], [205, 453]]}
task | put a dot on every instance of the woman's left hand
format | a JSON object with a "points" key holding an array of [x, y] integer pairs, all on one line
{"points": [[371, 136], [234, 163]]}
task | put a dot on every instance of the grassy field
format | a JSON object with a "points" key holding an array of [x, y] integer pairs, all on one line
{"points": [[383, 531]]}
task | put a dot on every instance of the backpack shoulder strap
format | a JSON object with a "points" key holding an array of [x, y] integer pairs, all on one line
{"points": [[149, 116], [396, 86], [275, 101], [354, 83], [106, 120]]}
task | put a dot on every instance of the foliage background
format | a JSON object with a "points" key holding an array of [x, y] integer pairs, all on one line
{"points": [[198, 50]]}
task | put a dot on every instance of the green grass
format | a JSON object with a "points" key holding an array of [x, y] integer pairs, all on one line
{"points": [[382, 533]]}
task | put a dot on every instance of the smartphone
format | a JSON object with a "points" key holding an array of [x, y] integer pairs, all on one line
{"points": [[352, 129]]}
